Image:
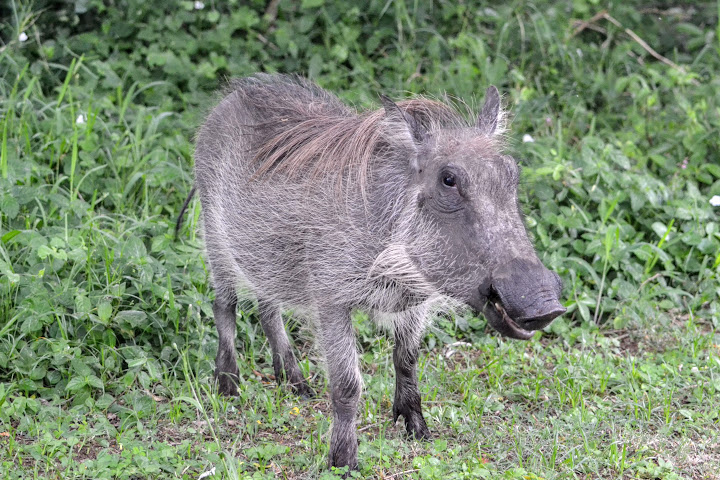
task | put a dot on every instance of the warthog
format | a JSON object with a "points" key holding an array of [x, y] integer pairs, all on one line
{"points": [[311, 206]]}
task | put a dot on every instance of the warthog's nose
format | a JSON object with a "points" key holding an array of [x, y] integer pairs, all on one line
{"points": [[529, 293], [539, 315]]}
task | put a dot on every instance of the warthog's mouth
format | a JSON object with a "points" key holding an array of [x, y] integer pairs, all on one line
{"points": [[499, 319], [519, 298], [527, 320]]}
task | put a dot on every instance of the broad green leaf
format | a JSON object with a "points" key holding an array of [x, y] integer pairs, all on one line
{"points": [[95, 382], [104, 310], [133, 317], [7, 272], [76, 383]]}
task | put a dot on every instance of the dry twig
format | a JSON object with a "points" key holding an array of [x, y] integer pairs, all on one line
{"points": [[272, 10], [646, 281], [581, 25]]}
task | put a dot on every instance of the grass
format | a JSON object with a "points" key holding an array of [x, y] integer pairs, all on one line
{"points": [[106, 335]]}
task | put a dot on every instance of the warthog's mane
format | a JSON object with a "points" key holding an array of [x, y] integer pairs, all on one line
{"points": [[303, 131]]}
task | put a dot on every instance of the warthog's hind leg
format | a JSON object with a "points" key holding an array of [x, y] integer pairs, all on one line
{"points": [[226, 370], [284, 362], [337, 339]]}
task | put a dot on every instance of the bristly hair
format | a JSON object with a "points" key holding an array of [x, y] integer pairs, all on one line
{"points": [[303, 130], [336, 144]]}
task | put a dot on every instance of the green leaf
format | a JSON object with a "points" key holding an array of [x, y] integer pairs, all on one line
{"points": [[660, 229], [620, 322], [104, 310], [104, 401], [82, 304], [80, 367], [44, 251], [10, 235], [160, 243], [686, 413], [134, 248], [8, 273], [76, 383], [136, 362], [713, 168], [133, 317], [9, 206], [311, 4], [95, 382], [38, 372], [708, 246], [31, 324], [584, 311]]}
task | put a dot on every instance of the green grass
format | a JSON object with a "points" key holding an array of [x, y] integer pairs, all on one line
{"points": [[106, 336]]}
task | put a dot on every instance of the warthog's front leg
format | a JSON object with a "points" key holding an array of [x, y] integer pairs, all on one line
{"points": [[408, 332], [337, 339]]}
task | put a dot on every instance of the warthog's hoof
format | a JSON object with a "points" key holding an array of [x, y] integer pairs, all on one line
{"points": [[418, 431], [303, 390], [344, 458], [414, 422], [227, 384]]}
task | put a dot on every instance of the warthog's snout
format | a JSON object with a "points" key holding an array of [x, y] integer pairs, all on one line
{"points": [[521, 297]]}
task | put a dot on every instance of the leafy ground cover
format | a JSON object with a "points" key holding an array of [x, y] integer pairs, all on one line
{"points": [[106, 334]]}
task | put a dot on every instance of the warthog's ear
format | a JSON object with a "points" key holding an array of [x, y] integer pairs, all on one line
{"points": [[393, 111], [491, 115]]}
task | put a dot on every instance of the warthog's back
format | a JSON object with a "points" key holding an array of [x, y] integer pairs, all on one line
{"points": [[273, 232]]}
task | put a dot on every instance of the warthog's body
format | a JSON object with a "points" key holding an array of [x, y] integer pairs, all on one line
{"points": [[310, 206]]}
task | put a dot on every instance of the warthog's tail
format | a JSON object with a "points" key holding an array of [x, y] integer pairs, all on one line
{"points": [[179, 221]]}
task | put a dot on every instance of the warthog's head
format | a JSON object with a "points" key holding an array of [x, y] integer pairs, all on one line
{"points": [[464, 198]]}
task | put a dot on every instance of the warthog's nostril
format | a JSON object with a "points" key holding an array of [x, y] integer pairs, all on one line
{"points": [[486, 289]]}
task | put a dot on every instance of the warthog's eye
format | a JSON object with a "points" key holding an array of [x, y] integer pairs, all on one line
{"points": [[449, 198], [448, 179]]}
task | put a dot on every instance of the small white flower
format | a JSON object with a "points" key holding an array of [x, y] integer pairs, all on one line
{"points": [[527, 138], [715, 201], [199, 5], [22, 37], [80, 119]]}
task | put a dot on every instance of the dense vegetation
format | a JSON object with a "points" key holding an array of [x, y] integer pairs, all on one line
{"points": [[106, 335]]}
